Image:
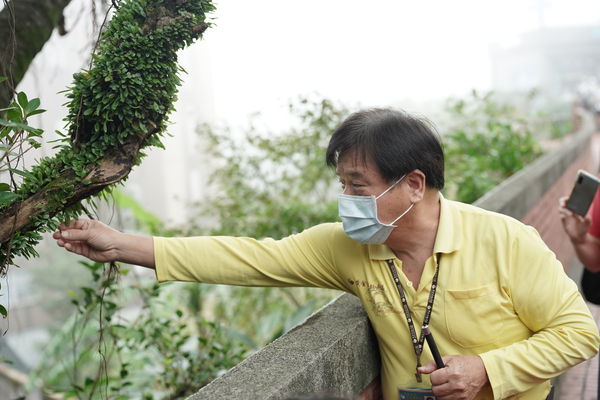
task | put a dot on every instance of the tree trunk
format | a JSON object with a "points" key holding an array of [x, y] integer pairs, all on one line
{"points": [[25, 26]]}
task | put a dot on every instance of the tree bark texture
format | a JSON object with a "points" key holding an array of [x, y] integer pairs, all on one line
{"points": [[25, 26]]}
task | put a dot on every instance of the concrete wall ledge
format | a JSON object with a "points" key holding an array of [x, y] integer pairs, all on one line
{"points": [[333, 352]]}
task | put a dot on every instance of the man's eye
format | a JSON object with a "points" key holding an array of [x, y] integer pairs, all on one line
{"points": [[354, 186]]}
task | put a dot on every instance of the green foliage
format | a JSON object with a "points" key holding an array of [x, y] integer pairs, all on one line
{"points": [[489, 141], [134, 80], [126, 94], [257, 316], [164, 352], [16, 139], [559, 129], [272, 185]]}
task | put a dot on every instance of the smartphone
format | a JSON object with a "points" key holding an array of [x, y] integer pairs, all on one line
{"points": [[583, 193]]}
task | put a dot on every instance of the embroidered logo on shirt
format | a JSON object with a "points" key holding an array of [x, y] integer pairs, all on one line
{"points": [[360, 283], [376, 297], [380, 302]]}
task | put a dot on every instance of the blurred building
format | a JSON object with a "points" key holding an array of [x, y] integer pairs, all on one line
{"points": [[555, 60]]}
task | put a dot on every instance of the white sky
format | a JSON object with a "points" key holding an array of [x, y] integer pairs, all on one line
{"points": [[263, 53]]}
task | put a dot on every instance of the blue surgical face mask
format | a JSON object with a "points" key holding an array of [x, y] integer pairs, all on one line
{"points": [[359, 217]]}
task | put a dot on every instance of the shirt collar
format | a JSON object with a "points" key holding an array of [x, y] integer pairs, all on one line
{"points": [[449, 233], [447, 240]]}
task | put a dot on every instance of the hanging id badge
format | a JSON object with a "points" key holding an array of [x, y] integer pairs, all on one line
{"points": [[415, 393]]}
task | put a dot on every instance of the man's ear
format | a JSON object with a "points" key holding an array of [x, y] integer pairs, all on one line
{"points": [[416, 182]]}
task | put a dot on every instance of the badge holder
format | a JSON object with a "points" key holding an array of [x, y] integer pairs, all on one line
{"points": [[418, 391], [415, 393]]}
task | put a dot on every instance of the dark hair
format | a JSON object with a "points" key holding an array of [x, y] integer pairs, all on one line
{"points": [[397, 142]]}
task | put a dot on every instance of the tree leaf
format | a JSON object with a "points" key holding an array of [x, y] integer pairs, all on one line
{"points": [[22, 100], [3, 311], [24, 174], [19, 125], [14, 114], [36, 112], [7, 198], [4, 187], [32, 105]]}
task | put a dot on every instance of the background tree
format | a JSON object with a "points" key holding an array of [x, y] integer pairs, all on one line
{"points": [[488, 140], [25, 26]]}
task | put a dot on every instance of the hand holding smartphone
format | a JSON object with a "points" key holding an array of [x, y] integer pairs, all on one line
{"points": [[583, 193]]}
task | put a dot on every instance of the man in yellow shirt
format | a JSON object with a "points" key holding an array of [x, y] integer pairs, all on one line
{"points": [[505, 316]]}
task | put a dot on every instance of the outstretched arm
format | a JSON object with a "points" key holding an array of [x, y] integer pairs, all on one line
{"points": [[99, 242]]}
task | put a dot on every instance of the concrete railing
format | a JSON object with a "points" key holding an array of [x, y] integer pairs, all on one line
{"points": [[334, 352]]}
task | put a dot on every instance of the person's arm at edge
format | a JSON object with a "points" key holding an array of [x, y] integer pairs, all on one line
{"points": [[588, 251], [577, 228]]}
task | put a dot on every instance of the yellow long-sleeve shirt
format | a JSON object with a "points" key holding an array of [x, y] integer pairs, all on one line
{"points": [[502, 294]]}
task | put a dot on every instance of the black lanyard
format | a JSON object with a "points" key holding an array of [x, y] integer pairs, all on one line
{"points": [[417, 343]]}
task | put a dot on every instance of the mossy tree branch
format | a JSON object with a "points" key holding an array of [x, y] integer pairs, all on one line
{"points": [[117, 108], [111, 169]]}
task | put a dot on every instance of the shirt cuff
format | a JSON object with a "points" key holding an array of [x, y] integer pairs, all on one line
{"points": [[490, 362], [160, 266]]}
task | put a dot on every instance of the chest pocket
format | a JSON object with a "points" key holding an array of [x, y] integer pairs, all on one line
{"points": [[473, 318]]}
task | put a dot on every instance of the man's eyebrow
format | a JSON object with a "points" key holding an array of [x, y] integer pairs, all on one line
{"points": [[353, 174]]}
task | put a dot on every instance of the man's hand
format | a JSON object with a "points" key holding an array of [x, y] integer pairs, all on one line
{"points": [[89, 238], [98, 242], [461, 379], [574, 225]]}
